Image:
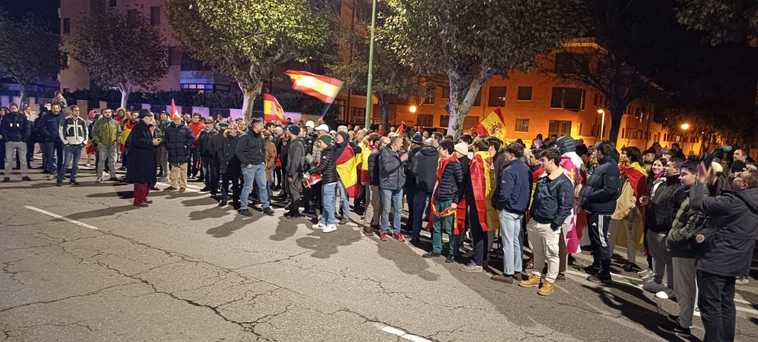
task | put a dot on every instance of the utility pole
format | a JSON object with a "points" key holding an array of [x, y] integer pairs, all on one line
{"points": [[369, 103]]}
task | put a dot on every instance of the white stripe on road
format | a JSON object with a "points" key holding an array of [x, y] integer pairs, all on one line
{"points": [[400, 333], [78, 223]]}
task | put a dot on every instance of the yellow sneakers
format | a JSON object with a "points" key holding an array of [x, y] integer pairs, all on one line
{"points": [[532, 281], [546, 289]]}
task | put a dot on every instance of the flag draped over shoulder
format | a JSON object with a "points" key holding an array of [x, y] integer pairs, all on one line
{"points": [[492, 125], [347, 169], [321, 87], [272, 110]]}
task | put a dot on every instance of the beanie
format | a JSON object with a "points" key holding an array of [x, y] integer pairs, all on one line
{"points": [[294, 129], [327, 139]]}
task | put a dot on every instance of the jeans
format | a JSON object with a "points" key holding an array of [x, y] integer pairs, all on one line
{"points": [[544, 242], [479, 237], [254, 173], [391, 199], [420, 200], [344, 202], [510, 229], [11, 147], [329, 202], [71, 153], [106, 153], [410, 198], [53, 154], [446, 223], [716, 303], [597, 227]]}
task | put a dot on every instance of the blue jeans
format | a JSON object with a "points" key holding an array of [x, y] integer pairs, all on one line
{"points": [[71, 153], [52, 153], [254, 173], [420, 200], [440, 224], [328, 202], [510, 229], [393, 198], [344, 202]]}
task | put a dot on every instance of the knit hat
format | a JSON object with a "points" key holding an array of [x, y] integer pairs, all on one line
{"points": [[327, 139], [294, 129], [566, 144], [461, 148]]}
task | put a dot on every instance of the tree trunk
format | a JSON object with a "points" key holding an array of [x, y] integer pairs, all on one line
{"points": [[249, 94], [617, 113], [463, 90], [124, 96]]}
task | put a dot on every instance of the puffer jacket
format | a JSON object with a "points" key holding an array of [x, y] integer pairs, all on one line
{"points": [[423, 166], [327, 166], [49, 125], [450, 184], [391, 171], [599, 194], [178, 141], [251, 149], [73, 131], [553, 200], [664, 204], [733, 218]]}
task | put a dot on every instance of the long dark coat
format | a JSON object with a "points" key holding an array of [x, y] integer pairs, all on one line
{"points": [[141, 159]]}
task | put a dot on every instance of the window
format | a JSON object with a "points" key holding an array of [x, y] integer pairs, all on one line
{"points": [[424, 120], [174, 55], [571, 63], [478, 101], [429, 97], [112, 3], [559, 127], [155, 15], [567, 98], [357, 115], [469, 122], [131, 17], [445, 92], [524, 93], [497, 97], [522, 125], [96, 6], [66, 25], [444, 120]]}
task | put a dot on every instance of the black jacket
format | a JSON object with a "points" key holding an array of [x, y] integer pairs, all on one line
{"points": [[15, 127], [251, 149], [373, 167], [734, 220], [178, 141], [467, 190], [327, 166], [450, 183], [410, 175], [553, 200], [216, 147], [603, 187], [513, 188], [391, 170], [141, 161], [423, 167], [49, 124], [664, 204], [295, 161], [229, 164]]}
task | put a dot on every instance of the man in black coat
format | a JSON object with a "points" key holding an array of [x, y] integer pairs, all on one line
{"points": [[52, 146], [252, 155], [423, 166], [598, 198], [295, 165], [229, 167], [178, 144], [142, 165], [14, 131]]}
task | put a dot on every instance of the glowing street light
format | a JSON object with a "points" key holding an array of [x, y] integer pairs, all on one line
{"points": [[685, 126], [602, 122], [412, 108]]}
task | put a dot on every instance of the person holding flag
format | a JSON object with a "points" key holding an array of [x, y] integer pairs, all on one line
{"points": [[348, 158], [627, 217], [446, 194]]}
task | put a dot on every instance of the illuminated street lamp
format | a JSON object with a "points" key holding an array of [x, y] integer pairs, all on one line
{"points": [[685, 126], [602, 122], [412, 108]]}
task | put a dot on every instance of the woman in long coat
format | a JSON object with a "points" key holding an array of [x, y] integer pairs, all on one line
{"points": [[141, 161]]}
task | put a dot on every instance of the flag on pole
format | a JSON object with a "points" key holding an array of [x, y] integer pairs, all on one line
{"points": [[272, 110], [492, 125], [401, 129], [321, 87], [173, 109], [347, 169]]}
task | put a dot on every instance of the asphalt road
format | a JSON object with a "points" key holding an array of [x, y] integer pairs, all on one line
{"points": [[82, 264]]}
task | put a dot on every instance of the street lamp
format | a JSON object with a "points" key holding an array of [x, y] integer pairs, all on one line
{"points": [[412, 108], [602, 122], [685, 126]]}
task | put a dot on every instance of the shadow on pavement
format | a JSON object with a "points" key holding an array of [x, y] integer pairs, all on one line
{"points": [[286, 228], [212, 213], [405, 259], [325, 245], [104, 212], [32, 186], [226, 229], [199, 201]]}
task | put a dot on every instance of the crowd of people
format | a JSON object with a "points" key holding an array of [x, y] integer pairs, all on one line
{"points": [[695, 218]]}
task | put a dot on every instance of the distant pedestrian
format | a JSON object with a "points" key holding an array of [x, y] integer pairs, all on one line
{"points": [[14, 131], [74, 134], [178, 144], [141, 168], [105, 133]]}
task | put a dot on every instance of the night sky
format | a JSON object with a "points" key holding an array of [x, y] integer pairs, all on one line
{"points": [[44, 10]]}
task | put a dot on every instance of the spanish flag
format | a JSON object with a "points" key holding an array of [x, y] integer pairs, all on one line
{"points": [[321, 87], [347, 169], [492, 125], [272, 110]]}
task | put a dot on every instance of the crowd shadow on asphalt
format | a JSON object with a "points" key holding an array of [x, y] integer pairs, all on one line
{"points": [[324, 245], [104, 212], [406, 260], [286, 228], [228, 228], [30, 187]]}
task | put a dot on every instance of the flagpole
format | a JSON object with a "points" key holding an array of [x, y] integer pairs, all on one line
{"points": [[369, 103]]}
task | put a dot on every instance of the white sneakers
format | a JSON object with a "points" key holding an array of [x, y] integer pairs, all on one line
{"points": [[319, 226], [325, 228]]}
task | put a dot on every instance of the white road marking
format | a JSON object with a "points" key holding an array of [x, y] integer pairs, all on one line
{"points": [[78, 223], [400, 333]]}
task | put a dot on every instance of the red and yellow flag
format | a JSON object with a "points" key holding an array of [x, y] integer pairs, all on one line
{"points": [[321, 87], [492, 125], [347, 169], [272, 110]]}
